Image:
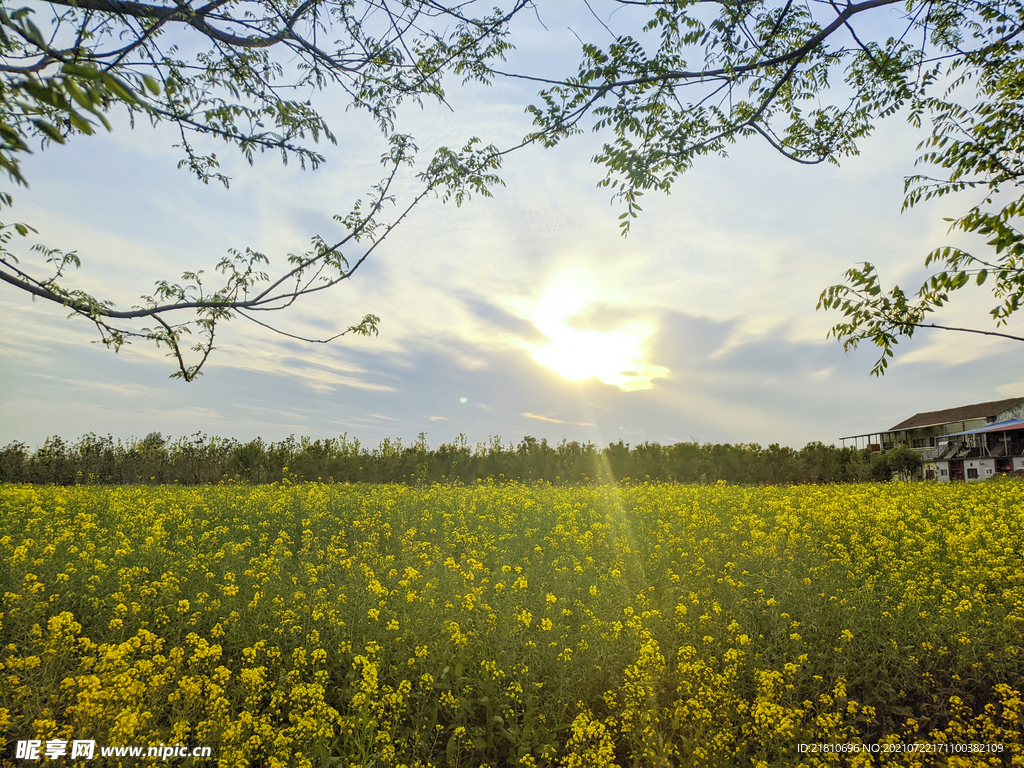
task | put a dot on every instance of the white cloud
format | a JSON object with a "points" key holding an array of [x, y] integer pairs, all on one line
{"points": [[551, 420]]}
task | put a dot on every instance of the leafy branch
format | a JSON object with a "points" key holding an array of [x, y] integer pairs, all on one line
{"points": [[247, 288], [94, 55], [982, 149]]}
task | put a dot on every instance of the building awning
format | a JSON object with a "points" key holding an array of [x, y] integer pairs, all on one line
{"points": [[1001, 426]]}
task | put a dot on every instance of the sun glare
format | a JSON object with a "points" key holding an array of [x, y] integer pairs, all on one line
{"points": [[616, 357]]}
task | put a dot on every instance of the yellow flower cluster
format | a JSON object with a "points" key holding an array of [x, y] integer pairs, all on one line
{"points": [[306, 625]]}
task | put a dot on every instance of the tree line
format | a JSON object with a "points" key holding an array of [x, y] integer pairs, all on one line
{"points": [[199, 459]]}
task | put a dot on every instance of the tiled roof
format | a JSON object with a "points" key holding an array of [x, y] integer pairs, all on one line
{"points": [[963, 413]]}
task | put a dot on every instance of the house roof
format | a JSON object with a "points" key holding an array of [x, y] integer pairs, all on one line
{"points": [[963, 413], [1011, 425]]}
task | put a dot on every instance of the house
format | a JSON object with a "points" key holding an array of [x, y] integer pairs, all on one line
{"points": [[970, 442]]}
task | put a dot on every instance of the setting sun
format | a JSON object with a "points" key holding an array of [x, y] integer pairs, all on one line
{"points": [[616, 356]]}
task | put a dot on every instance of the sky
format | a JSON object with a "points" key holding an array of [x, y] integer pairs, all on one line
{"points": [[523, 314]]}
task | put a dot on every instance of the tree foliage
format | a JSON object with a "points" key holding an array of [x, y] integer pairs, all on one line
{"points": [[674, 80], [240, 71], [980, 148]]}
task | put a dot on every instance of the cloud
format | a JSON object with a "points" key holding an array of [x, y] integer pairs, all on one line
{"points": [[557, 421], [499, 319], [1013, 389]]}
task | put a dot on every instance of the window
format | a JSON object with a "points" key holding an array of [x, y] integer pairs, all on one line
{"points": [[942, 472], [929, 474], [988, 471], [972, 474], [920, 442]]}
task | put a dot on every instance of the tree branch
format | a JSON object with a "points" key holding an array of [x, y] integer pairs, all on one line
{"points": [[967, 330]]}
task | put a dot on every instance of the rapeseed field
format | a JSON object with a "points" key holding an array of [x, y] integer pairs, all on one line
{"points": [[500, 625]]}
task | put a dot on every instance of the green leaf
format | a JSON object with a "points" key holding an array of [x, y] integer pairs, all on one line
{"points": [[83, 98], [80, 122], [451, 750], [119, 89], [49, 130], [80, 70], [151, 84]]}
